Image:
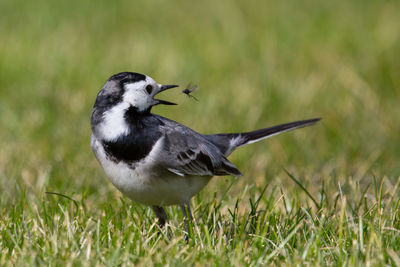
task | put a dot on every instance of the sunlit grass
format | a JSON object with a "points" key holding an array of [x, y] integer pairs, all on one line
{"points": [[257, 64], [261, 227]]}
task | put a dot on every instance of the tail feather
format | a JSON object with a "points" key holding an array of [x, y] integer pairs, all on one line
{"points": [[229, 142]]}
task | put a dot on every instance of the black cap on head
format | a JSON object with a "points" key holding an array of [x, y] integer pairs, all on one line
{"points": [[128, 77]]}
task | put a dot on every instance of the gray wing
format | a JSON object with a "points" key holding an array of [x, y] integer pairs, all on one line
{"points": [[189, 153]]}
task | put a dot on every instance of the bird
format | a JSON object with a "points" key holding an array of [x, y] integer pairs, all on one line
{"points": [[154, 160]]}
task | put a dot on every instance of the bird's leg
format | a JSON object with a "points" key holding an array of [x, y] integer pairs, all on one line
{"points": [[161, 215], [188, 217]]}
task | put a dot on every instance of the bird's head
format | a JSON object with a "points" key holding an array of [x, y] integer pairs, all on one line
{"points": [[134, 89]]}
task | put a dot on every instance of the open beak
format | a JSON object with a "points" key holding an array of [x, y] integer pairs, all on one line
{"points": [[163, 88], [166, 87]]}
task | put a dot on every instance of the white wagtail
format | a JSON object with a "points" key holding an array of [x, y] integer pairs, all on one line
{"points": [[154, 160]]}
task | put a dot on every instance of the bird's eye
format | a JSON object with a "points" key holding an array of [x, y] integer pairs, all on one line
{"points": [[149, 88]]}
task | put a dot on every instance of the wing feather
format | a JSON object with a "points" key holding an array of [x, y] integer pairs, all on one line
{"points": [[189, 153]]}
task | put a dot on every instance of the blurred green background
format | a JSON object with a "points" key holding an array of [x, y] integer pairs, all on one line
{"points": [[257, 63]]}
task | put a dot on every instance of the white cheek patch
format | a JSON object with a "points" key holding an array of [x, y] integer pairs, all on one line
{"points": [[137, 96], [114, 124]]}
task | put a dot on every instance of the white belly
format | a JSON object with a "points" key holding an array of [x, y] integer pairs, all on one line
{"points": [[146, 185]]}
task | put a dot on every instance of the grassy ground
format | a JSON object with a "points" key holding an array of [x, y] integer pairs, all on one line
{"points": [[257, 64]]}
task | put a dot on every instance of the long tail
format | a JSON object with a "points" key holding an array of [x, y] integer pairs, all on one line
{"points": [[230, 141]]}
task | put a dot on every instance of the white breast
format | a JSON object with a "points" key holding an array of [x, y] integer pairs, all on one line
{"points": [[145, 182]]}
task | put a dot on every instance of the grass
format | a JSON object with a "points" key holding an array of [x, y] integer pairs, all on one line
{"points": [[324, 195]]}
